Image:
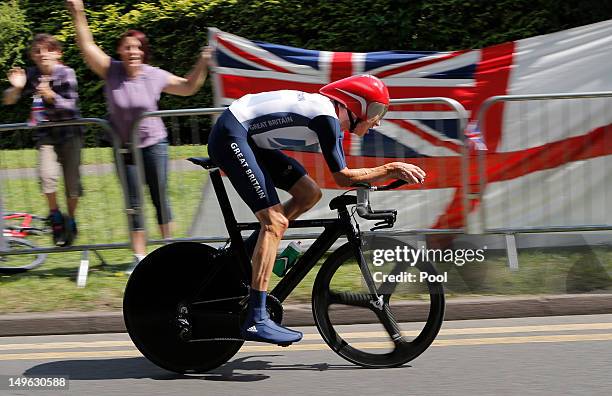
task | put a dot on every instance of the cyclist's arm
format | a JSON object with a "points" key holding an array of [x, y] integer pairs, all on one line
{"points": [[330, 140], [347, 177]]}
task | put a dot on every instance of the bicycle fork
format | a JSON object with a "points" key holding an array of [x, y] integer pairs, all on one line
{"points": [[352, 234]]}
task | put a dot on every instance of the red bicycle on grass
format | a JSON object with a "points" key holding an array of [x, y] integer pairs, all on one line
{"points": [[18, 227]]}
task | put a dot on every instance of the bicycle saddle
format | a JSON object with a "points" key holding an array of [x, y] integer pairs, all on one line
{"points": [[204, 162]]}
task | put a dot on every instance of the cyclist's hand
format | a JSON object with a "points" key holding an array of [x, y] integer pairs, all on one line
{"points": [[408, 172], [17, 77]]}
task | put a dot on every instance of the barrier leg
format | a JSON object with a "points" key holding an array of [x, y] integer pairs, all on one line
{"points": [[99, 256], [83, 269], [512, 252]]}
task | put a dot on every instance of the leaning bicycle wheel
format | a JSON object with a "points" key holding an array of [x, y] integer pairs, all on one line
{"points": [[182, 307], [340, 295], [14, 264]]}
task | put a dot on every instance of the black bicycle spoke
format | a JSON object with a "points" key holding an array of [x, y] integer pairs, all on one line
{"points": [[387, 319], [349, 298]]}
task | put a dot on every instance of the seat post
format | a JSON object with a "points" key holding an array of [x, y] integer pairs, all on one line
{"points": [[228, 215], [224, 203]]}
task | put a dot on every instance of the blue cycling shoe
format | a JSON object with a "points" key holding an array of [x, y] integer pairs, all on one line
{"points": [[270, 332], [259, 327]]}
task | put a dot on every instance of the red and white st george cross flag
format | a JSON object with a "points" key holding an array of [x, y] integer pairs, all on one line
{"points": [[548, 163]]}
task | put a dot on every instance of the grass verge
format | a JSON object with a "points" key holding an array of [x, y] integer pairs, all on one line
{"points": [[52, 286]]}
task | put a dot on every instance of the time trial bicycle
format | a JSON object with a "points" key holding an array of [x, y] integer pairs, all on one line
{"points": [[184, 303]]}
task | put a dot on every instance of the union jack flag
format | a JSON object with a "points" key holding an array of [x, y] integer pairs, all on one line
{"points": [[426, 135]]}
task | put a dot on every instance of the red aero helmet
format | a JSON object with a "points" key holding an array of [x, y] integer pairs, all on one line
{"points": [[364, 95]]}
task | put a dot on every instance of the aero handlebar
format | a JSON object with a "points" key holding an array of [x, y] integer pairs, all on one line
{"points": [[364, 210]]}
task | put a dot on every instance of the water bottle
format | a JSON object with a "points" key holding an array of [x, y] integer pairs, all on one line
{"points": [[287, 258], [38, 113]]}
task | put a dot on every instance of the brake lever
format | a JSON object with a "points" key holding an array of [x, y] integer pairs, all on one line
{"points": [[382, 225]]}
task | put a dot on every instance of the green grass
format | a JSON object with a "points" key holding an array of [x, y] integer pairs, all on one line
{"points": [[27, 158], [101, 219]]}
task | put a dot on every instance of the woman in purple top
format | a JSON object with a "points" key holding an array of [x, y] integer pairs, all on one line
{"points": [[134, 87]]}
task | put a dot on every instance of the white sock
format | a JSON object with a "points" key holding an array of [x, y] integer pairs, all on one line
{"points": [[139, 257]]}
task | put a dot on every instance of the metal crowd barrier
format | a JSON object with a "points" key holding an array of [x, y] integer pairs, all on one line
{"points": [[19, 192], [551, 110], [186, 181], [457, 114]]}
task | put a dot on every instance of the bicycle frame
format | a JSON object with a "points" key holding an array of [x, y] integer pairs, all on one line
{"points": [[333, 229]]}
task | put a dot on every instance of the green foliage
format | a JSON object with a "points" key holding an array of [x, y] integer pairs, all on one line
{"points": [[14, 34], [178, 29]]}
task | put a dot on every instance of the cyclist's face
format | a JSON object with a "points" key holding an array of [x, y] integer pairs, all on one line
{"points": [[363, 127]]}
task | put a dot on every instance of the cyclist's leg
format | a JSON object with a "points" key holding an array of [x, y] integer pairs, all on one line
{"points": [[258, 326], [288, 175], [229, 148]]}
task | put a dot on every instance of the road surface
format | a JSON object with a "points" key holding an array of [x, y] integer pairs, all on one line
{"points": [[569, 355]]}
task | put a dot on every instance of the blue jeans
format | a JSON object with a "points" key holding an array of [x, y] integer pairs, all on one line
{"points": [[155, 161]]}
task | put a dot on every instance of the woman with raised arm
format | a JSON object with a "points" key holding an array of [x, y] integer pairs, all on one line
{"points": [[133, 87]]}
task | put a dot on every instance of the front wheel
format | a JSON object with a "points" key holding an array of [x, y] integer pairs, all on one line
{"points": [[339, 293]]}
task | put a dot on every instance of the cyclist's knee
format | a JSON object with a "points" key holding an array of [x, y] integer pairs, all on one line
{"points": [[317, 194], [307, 193], [310, 199], [273, 222]]}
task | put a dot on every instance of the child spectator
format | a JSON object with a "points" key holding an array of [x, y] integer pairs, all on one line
{"points": [[52, 87]]}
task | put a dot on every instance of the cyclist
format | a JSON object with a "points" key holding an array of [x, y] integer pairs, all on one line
{"points": [[245, 143]]}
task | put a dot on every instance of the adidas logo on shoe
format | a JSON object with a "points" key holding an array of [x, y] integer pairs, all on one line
{"points": [[252, 329]]}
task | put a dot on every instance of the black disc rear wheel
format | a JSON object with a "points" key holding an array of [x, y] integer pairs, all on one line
{"points": [[340, 295], [182, 307]]}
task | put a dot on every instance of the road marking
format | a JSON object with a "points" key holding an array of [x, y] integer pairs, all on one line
{"points": [[348, 335], [67, 345], [454, 342], [487, 330], [320, 347]]}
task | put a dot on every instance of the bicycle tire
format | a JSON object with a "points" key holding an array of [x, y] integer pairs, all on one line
{"points": [[183, 274], [11, 265], [323, 297]]}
